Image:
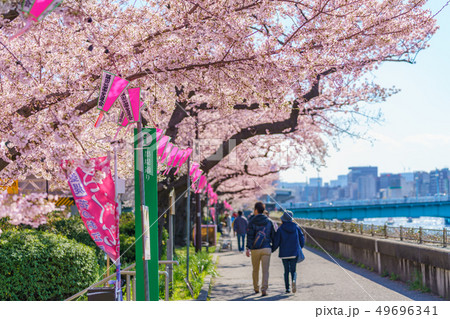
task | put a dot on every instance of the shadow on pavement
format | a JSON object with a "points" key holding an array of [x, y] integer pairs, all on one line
{"points": [[258, 297], [396, 286]]}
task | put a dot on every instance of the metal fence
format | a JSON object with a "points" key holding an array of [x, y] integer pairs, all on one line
{"points": [[368, 202], [419, 235]]}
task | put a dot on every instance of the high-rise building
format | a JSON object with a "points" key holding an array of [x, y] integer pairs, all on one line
{"points": [[439, 181], [422, 183], [315, 182], [341, 181], [408, 177], [367, 187], [362, 182], [390, 185]]}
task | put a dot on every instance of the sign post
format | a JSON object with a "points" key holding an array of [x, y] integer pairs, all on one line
{"points": [[146, 200], [170, 241]]}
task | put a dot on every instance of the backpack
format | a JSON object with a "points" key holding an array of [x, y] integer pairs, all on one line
{"points": [[260, 237]]}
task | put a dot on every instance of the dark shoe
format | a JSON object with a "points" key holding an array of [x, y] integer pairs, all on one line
{"points": [[288, 291], [263, 293], [256, 291]]}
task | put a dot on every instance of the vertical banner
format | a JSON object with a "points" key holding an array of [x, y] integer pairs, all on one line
{"points": [[93, 190], [151, 201]]}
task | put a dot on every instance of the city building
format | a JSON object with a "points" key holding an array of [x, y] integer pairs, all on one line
{"points": [[439, 181], [362, 181], [315, 182]]}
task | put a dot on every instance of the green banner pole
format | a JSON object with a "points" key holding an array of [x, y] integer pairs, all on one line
{"points": [[147, 277]]}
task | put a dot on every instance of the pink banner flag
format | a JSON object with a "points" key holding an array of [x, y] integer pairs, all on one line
{"points": [[159, 133], [196, 175], [125, 103], [166, 152], [135, 99], [184, 157], [162, 143], [36, 10], [93, 190], [110, 89], [171, 159], [194, 167], [122, 121], [39, 9], [201, 183], [130, 103], [177, 158]]}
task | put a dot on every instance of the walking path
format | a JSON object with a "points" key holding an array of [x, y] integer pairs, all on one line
{"points": [[319, 279]]}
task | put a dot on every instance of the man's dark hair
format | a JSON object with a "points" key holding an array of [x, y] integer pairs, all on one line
{"points": [[259, 206], [240, 213]]}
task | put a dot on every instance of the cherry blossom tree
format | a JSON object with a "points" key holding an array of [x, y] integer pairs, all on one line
{"points": [[254, 78], [29, 209]]}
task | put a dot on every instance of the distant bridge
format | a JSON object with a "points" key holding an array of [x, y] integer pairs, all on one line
{"points": [[433, 209]]}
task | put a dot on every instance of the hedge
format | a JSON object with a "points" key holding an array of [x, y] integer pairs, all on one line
{"points": [[73, 228], [42, 266]]}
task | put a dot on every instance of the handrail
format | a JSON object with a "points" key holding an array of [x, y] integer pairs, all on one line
{"points": [[126, 271], [166, 284], [101, 282], [415, 234], [168, 262]]}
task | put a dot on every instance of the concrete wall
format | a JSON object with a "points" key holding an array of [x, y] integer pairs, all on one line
{"points": [[400, 258]]}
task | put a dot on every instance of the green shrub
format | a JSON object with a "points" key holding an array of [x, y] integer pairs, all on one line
{"points": [[73, 228], [127, 224], [127, 250], [43, 266]]}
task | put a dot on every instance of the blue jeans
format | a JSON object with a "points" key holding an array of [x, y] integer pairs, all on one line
{"points": [[241, 241], [290, 266]]}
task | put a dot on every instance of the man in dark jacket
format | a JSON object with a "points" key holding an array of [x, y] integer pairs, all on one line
{"points": [[290, 239], [260, 236], [240, 227]]}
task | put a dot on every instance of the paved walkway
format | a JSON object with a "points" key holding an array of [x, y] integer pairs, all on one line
{"points": [[319, 279]]}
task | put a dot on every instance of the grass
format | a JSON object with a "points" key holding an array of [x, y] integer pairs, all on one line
{"points": [[417, 283], [394, 277], [200, 265]]}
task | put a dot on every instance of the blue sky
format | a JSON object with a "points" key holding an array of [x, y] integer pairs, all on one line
{"points": [[415, 134]]}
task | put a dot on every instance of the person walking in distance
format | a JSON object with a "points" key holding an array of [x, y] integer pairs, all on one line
{"points": [[290, 239], [240, 228], [260, 236]]}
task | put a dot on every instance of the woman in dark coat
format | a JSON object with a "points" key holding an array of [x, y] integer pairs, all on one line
{"points": [[289, 238]]}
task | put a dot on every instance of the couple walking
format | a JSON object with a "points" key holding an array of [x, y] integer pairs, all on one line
{"points": [[263, 239]]}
